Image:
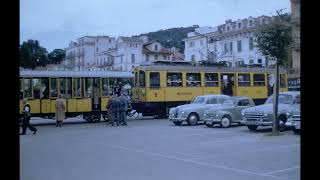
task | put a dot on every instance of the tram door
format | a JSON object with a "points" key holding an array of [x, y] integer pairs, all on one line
{"points": [[270, 84], [228, 84], [96, 97]]}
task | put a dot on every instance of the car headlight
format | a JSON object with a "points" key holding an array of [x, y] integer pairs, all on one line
{"points": [[242, 113], [182, 112], [265, 114]]}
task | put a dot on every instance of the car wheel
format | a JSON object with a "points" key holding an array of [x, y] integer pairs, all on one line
{"points": [[177, 123], [192, 119], [225, 122], [296, 131], [252, 127], [281, 126]]}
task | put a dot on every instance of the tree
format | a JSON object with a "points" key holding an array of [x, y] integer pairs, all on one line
{"points": [[56, 56], [32, 54], [274, 42]]}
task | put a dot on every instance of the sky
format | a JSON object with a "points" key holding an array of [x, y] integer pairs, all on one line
{"points": [[54, 23]]}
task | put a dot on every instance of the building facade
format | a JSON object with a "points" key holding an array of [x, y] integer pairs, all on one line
{"points": [[232, 42], [154, 51]]}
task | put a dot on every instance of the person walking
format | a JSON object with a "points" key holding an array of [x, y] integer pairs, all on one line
{"points": [[115, 108], [26, 118], [123, 109], [60, 114]]}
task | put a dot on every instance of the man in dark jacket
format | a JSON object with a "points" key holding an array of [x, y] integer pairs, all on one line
{"points": [[123, 109], [26, 118], [115, 108]]}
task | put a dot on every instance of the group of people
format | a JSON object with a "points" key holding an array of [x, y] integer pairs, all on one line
{"points": [[117, 109]]}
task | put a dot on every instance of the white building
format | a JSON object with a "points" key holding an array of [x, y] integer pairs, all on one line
{"points": [[154, 51], [232, 42]]}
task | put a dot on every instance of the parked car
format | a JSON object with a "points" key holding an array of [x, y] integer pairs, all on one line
{"points": [[193, 113], [294, 118], [262, 115], [229, 112]]}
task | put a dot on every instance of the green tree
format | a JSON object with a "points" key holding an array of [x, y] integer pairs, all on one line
{"points": [[274, 41], [56, 56], [32, 54]]}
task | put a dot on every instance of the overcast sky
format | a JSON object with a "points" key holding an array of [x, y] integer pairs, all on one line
{"points": [[56, 22]]}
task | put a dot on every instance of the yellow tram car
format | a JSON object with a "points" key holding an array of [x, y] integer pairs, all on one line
{"points": [[42, 88], [158, 88]]}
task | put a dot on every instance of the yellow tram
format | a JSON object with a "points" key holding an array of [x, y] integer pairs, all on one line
{"points": [[158, 88], [42, 88]]}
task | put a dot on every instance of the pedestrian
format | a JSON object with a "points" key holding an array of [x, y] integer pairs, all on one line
{"points": [[109, 109], [26, 118], [115, 108], [60, 114], [123, 109]]}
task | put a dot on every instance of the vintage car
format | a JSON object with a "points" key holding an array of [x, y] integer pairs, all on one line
{"points": [[294, 120], [229, 112], [193, 113], [263, 115]]}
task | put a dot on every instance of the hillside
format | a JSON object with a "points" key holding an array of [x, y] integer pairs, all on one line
{"points": [[171, 37]]}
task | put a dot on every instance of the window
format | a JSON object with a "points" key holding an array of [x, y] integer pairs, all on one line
{"points": [[263, 21], [283, 83], [156, 47], [228, 28], [109, 40], [250, 22], [155, 57], [112, 85], [212, 101], [193, 79], [193, 57], [251, 43], [258, 80], [201, 42], [54, 87], [142, 82], [239, 45], [77, 93], [164, 57], [239, 25], [133, 60], [244, 102], [154, 79], [63, 87], [251, 61], [27, 91], [225, 47], [97, 39], [88, 87], [211, 79], [147, 57], [243, 79], [36, 88], [44, 88], [260, 61], [69, 87], [136, 82], [97, 49], [230, 46], [191, 44], [174, 79], [104, 88]]}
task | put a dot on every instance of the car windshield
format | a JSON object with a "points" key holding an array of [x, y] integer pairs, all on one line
{"points": [[198, 100], [229, 101], [283, 99]]}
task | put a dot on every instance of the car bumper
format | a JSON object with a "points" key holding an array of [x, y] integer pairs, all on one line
{"points": [[211, 120], [177, 119], [257, 123], [295, 124]]}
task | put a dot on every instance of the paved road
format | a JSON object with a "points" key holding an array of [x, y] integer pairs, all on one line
{"points": [[156, 149]]}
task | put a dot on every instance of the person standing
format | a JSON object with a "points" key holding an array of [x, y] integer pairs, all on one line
{"points": [[123, 109], [26, 118], [115, 108], [60, 114]]}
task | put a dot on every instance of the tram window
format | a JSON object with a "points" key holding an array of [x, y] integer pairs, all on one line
{"points": [[258, 80], [21, 89], [136, 79], [44, 88], [27, 91], [154, 79], [193, 79], [174, 79], [142, 78], [282, 80], [243, 79], [36, 88], [54, 87], [126, 85], [76, 87], [63, 87], [105, 90], [112, 85], [69, 87], [88, 87], [211, 79]]}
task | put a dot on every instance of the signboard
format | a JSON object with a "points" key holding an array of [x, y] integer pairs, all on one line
{"points": [[294, 84]]}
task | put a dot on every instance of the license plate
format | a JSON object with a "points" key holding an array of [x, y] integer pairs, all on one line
{"points": [[252, 123]]}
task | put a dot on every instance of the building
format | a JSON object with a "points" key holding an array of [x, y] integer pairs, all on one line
{"points": [[154, 51], [294, 72], [231, 42]]}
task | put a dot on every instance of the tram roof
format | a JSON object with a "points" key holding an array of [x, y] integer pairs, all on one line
{"points": [[206, 68], [116, 74]]}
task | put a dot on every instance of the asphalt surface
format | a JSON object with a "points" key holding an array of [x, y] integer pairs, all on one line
{"points": [[156, 149]]}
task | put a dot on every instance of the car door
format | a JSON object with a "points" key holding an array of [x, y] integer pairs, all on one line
{"points": [[242, 104]]}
